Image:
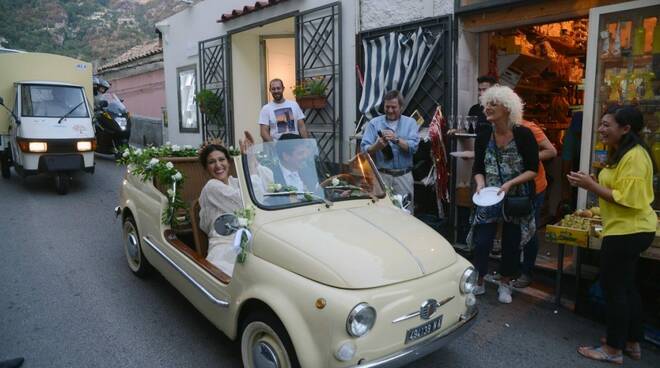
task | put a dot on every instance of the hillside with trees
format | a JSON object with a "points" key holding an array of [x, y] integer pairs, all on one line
{"points": [[91, 30]]}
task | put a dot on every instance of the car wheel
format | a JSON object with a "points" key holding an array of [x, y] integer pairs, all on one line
{"points": [[265, 343], [5, 163], [133, 249], [62, 183]]}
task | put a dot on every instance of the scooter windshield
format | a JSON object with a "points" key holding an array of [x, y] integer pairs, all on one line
{"points": [[115, 106], [52, 101]]}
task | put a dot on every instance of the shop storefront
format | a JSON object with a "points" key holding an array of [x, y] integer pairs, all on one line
{"points": [[568, 60]]}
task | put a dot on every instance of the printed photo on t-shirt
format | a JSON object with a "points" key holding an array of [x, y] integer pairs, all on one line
{"points": [[285, 120]]}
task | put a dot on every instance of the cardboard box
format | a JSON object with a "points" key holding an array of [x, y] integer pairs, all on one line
{"points": [[566, 235]]}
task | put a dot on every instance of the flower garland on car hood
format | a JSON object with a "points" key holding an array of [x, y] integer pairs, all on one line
{"points": [[150, 163]]}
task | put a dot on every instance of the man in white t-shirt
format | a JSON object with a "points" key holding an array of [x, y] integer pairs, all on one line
{"points": [[281, 116]]}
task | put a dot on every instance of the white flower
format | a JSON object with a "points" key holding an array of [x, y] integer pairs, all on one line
{"points": [[335, 182], [169, 165], [125, 154], [168, 143], [398, 200], [278, 187], [138, 151], [153, 162], [242, 222], [187, 146], [177, 176], [176, 148], [170, 193]]}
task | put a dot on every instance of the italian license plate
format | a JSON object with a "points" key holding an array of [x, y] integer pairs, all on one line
{"points": [[420, 331]]}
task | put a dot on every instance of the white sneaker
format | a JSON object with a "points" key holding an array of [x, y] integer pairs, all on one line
{"points": [[493, 277], [504, 292], [480, 289]]}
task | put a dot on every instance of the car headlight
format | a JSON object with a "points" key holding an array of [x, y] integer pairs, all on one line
{"points": [[360, 320], [83, 146], [38, 147], [468, 281]]}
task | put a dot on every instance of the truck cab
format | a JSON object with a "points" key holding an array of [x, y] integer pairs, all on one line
{"points": [[48, 125]]}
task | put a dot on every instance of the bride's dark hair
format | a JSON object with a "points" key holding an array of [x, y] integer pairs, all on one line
{"points": [[206, 151]]}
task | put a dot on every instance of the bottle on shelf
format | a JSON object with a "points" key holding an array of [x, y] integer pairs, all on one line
{"points": [[639, 38], [600, 154], [656, 38]]}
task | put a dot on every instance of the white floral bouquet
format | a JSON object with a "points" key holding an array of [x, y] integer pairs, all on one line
{"points": [[148, 163]]}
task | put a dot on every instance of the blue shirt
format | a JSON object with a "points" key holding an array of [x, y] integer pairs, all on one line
{"points": [[405, 129]]}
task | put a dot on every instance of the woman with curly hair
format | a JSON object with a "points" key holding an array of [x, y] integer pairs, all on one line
{"points": [[506, 156], [625, 194]]}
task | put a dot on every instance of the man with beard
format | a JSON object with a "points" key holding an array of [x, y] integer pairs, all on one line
{"points": [[391, 140], [281, 116]]}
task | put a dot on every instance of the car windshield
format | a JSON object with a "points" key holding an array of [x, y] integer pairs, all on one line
{"points": [[115, 106], [289, 173], [52, 101]]}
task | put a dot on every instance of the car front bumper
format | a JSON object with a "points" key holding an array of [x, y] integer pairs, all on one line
{"points": [[417, 351]]}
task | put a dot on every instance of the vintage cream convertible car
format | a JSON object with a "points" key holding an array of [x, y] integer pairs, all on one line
{"points": [[336, 276]]}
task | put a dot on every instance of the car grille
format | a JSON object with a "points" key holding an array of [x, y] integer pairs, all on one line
{"points": [[63, 146]]}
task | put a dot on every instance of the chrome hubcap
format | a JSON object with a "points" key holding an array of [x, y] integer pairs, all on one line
{"points": [[264, 356], [132, 245]]}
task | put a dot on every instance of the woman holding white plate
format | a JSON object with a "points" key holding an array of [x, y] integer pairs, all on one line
{"points": [[506, 157]]}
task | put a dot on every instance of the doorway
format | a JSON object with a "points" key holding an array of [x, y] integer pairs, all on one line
{"points": [[278, 57]]}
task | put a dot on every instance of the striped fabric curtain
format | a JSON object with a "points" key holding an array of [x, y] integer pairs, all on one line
{"points": [[394, 61]]}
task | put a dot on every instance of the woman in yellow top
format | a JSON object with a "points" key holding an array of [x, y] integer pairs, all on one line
{"points": [[625, 191]]}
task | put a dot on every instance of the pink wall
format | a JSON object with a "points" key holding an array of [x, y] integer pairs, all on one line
{"points": [[143, 94]]}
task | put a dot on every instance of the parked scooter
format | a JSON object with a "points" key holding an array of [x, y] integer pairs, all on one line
{"points": [[112, 122]]}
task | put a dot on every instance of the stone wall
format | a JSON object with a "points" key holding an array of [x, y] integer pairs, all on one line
{"points": [[146, 131], [384, 13]]}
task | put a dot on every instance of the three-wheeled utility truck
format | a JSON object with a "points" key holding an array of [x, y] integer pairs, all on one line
{"points": [[46, 116]]}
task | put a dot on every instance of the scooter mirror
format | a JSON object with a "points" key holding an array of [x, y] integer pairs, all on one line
{"points": [[103, 104], [226, 224]]}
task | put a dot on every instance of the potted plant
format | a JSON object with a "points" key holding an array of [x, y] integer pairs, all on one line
{"points": [[208, 102], [310, 94]]}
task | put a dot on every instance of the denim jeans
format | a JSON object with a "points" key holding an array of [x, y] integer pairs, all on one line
{"points": [[483, 237], [531, 249]]}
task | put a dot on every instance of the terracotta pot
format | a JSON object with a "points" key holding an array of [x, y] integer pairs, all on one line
{"points": [[312, 102]]}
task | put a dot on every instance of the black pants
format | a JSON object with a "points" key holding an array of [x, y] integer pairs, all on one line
{"points": [[483, 236], [618, 263]]}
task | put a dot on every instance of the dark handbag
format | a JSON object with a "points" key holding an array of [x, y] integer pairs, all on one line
{"points": [[515, 206]]}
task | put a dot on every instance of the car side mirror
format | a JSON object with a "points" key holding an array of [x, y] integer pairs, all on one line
{"points": [[226, 224]]}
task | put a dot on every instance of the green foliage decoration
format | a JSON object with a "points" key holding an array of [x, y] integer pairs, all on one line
{"points": [[149, 163], [310, 87]]}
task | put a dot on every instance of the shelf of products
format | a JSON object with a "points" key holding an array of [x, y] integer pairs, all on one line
{"points": [[628, 72]]}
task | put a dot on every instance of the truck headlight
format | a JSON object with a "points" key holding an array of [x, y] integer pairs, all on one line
{"points": [[468, 281], [37, 146], [360, 320], [83, 146]]}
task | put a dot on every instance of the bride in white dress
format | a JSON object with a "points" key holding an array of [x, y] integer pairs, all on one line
{"points": [[222, 194]]}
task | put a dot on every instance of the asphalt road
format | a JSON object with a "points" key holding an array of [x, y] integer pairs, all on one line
{"points": [[67, 298]]}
